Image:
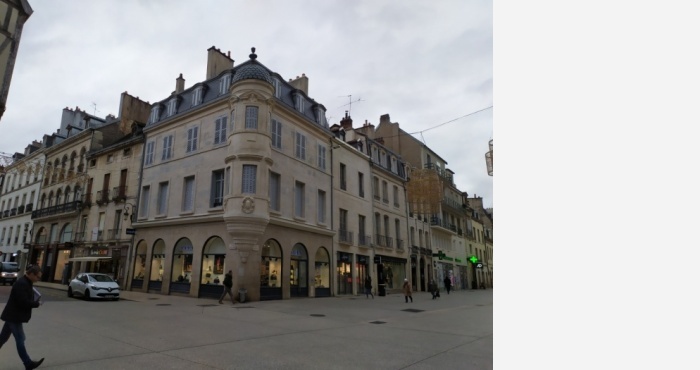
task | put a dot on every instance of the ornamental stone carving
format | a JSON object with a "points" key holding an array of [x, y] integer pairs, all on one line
{"points": [[248, 205]]}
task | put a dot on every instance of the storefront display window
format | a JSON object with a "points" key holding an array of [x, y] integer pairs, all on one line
{"points": [[344, 273], [271, 265], [140, 262], [182, 262], [362, 266], [213, 262], [298, 271], [157, 261], [322, 267]]}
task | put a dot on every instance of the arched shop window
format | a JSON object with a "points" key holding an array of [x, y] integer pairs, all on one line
{"points": [[322, 277], [157, 260], [139, 265], [299, 272], [271, 271], [213, 262], [182, 262]]}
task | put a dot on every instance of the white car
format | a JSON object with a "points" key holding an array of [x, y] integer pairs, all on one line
{"points": [[8, 272], [91, 285]]}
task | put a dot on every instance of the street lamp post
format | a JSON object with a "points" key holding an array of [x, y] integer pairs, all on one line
{"points": [[128, 213]]}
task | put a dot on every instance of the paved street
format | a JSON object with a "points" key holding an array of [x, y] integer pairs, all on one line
{"points": [[149, 331]]}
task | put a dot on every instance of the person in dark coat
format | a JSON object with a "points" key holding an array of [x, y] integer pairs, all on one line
{"points": [[228, 284], [368, 287], [18, 310], [434, 289], [448, 284]]}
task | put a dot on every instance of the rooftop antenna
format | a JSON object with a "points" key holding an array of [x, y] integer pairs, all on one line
{"points": [[350, 103], [94, 109]]}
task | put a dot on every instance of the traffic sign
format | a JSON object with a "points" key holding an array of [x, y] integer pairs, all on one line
{"points": [[131, 231]]}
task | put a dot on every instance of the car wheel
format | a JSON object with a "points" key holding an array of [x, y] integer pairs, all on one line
{"points": [[70, 292], [87, 295]]}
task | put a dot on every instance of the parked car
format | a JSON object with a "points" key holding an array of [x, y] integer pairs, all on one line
{"points": [[8, 272], [91, 285]]}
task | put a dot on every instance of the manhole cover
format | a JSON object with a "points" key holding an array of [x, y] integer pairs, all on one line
{"points": [[377, 322], [317, 315], [207, 305], [412, 310], [162, 304]]}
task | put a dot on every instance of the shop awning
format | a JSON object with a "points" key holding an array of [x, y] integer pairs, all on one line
{"points": [[88, 259]]}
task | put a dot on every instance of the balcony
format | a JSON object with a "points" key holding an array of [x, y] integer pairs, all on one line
{"points": [[102, 197], [119, 194], [6, 213], [399, 244], [389, 242], [364, 240], [57, 210], [20, 209], [381, 240], [13, 211], [87, 200], [100, 235], [345, 236], [436, 221], [29, 207]]}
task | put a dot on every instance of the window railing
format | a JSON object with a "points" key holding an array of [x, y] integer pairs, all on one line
{"points": [[102, 197], [345, 236], [389, 242], [119, 193], [100, 235], [20, 209], [364, 240], [114, 234], [13, 211], [399, 244], [54, 210]]}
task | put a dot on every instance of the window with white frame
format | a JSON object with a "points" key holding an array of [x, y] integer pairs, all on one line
{"points": [[155, 114], [321, 157], [220, 130], [276, 134], [299, 189], [167, 147], [172, 106], [278, 87], [197, 96], [320, 116], [217, 188], [321, 206], [300, 102], [251, 118], [188, 194], [248, 183], [300, 151], [150, 152], [192, 134], [162, 198], [275, 190], [224, 83]]}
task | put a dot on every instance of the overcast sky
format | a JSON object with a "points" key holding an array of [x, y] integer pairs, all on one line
{"points": [[423, 63]]}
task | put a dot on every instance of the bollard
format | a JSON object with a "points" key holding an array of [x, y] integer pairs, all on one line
{"points": [[241, 295]]}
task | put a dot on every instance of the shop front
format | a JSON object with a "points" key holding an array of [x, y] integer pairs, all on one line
{"points": [[213, 269], [391, 272], [270, 271], [322, 277], [155, 280], [344, 270], [299, 272], [181, 267], [139, 266]]}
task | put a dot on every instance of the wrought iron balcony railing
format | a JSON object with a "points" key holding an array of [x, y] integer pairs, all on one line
{"points": [[55, 210]]}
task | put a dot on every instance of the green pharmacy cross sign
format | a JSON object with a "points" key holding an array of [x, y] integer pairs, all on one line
{"points": [[473, 259]]}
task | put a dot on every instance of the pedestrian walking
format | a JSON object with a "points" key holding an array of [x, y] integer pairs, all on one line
{"points": [[18, 310], [407, 290], [228, 284], [368, 287], [448, 284], [434, 289]]}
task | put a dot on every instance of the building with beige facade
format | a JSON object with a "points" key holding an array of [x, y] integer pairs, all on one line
{"points": [[13, 15]]}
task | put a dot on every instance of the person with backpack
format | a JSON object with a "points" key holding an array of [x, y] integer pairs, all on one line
{"points": [[228, 284]]}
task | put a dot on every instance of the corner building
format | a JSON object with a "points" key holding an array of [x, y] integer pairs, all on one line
{"points": [[235, 178]]}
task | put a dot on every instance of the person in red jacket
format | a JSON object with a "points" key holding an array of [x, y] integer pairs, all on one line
{"points": [[18, 310]]}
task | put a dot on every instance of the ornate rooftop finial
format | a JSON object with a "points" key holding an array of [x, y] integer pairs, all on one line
{"points": [[252, 54]]}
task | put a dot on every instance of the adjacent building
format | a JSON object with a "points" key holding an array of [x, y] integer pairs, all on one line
{"points": [[13, 15]]}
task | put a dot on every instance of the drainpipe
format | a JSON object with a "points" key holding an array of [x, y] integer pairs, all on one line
{"points": [[134, 212]]}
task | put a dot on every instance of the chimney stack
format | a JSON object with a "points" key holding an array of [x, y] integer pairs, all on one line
{"points": [[179, 84], [346, 122], [301, 83], [217, 62]]}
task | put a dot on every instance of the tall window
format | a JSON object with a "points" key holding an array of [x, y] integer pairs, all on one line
{"points": [[375, 187], [385, 196], [192, 134], [220, 130], [167, 147], [321, 206], [217, 188], [300, 103], [162, 198], [276, 133], [197, 96], [386, 228], [248, 184], [321, 157], [397, 230], [396, 196], [299, 199], [278, 87], [150, 150], [251, 118], [155, 114], [361, 230], [224, 83], [343, 221], [361, 184], [188, 194], [300, 146], [274, 191], [343, 177]]}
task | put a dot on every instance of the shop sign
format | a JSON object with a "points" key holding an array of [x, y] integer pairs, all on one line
{"points": [[130, 231], [377, 259]]}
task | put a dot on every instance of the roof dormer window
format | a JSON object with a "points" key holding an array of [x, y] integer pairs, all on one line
{"points": [[278, 87], [321, 116], [155, 114], [197, 96], [172, 107], [299, 103], [224, 83]]}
